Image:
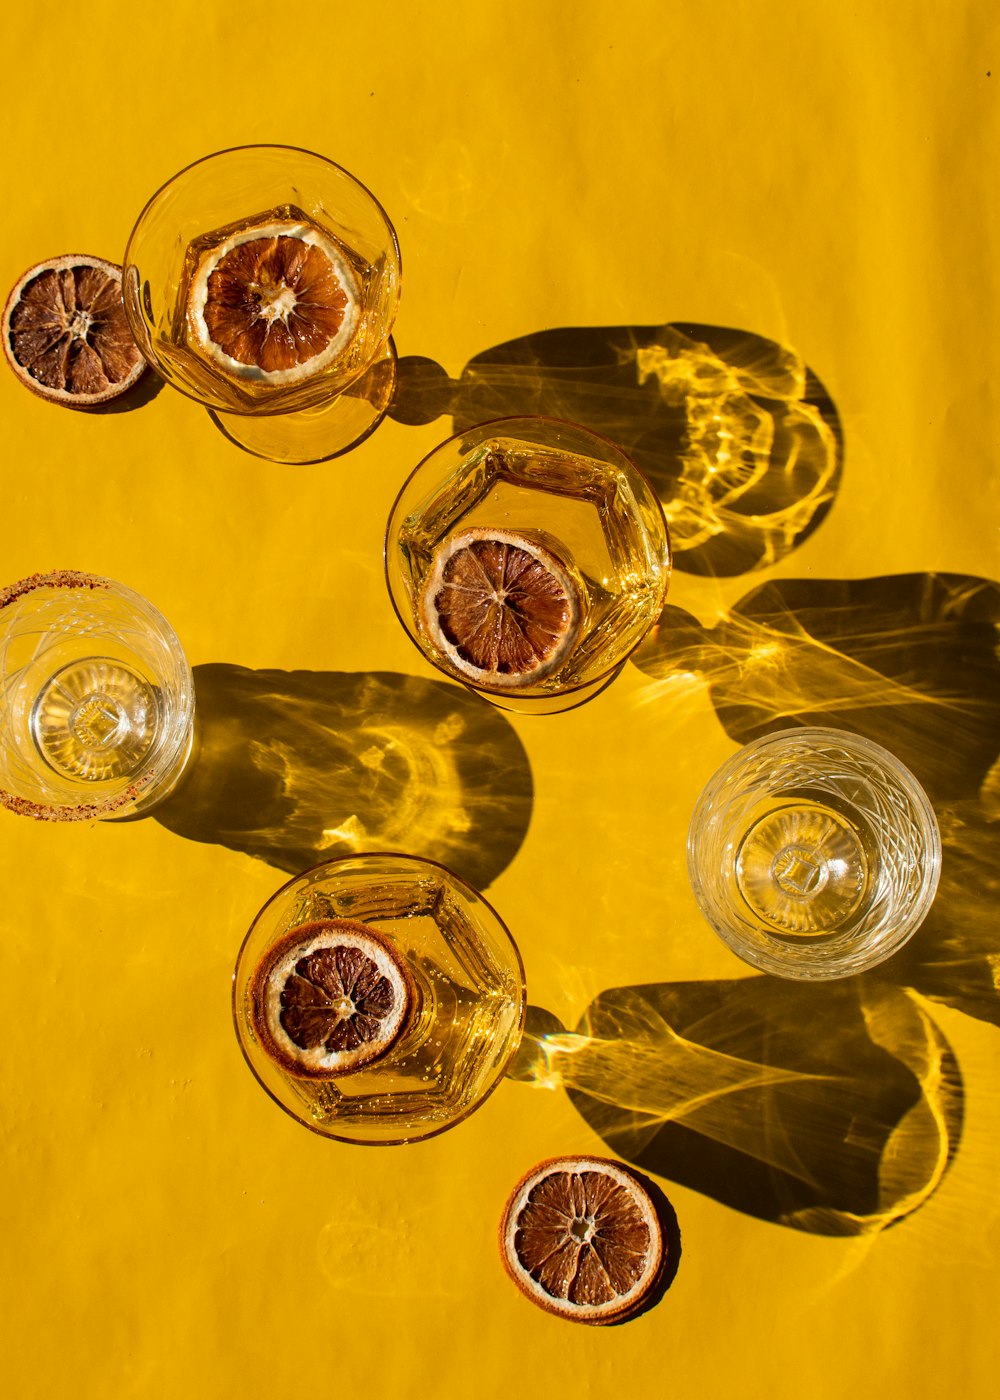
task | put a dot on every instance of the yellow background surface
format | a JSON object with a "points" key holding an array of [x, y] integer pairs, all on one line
{"points": [[822, 175]]}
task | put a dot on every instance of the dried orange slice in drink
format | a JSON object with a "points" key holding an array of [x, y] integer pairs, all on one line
{"points": [[581, 1237], [328, 998], [501, 607], [65, 334], [275, 302]]}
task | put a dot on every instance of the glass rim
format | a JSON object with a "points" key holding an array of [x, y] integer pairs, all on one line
{"points": [[393, 855], [264, 146], [596, 684]]}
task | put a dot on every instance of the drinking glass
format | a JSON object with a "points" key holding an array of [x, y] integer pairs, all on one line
{"points": [[467, 1008], [212, 202], [814, 853], [96, 700], [566, 490]]}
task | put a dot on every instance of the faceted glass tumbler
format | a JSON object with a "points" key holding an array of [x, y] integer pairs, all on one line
{"points": [[814, 853], [469, 998], [564, 485]]}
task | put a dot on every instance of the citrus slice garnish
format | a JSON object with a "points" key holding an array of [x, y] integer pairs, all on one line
{"points": [[501, 607], [329, 997], [65, 334], [581, 1237], [275, 302]]}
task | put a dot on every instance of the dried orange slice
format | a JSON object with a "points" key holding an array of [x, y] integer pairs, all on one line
{"points": [[328, 998], [275, 302], [501, 607], [581, 1237], [65, 334]]}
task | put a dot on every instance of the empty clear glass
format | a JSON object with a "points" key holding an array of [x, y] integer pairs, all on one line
{"points": [[814, 853], [96, 700]]}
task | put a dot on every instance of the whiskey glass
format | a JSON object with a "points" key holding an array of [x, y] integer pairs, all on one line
{"points": [[573, 496], [468, 998], [814, 853], [217, 200]]}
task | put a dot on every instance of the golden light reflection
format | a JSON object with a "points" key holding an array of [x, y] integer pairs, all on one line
{"points": [[298, 767], [738, 437], [758, 461], [834, 1111], [910, 661]]}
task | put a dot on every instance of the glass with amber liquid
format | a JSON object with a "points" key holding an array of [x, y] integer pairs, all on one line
{"points": [[457, 967], [263, 282], [574, 543]]}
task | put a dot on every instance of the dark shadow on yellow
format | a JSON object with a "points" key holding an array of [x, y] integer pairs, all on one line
{"points": [[141, 393], [297, 767], [833, 1109], [909, 661], [738, 436]]}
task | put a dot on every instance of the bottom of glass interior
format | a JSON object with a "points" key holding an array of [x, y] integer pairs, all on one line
{"points": [[804, 869]]}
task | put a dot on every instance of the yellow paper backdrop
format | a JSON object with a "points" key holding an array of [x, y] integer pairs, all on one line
{"points": [[820, 175]]}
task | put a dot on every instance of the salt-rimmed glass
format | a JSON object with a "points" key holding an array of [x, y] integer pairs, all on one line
{"points": [[96, 700]]}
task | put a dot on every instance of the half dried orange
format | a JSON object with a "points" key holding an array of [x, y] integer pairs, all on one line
{"points": [[274, 302], [501, 607], [581, 1237], [65, 334], [328, 998]]}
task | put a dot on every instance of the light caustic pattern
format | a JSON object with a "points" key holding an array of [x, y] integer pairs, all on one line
{"points": [[299, 767], [850, 1106], [758, 460], [909, 661]]}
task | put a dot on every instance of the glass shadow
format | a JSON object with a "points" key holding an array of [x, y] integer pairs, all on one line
{"points": [[296, 767], [909, 661], [740, 439], [834, 1110]]}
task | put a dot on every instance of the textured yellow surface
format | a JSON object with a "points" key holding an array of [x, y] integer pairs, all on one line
{"points": [[818, 175]]}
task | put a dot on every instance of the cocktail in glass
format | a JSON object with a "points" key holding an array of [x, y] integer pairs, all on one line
{"points": [[296, 1009], [263, 282], [527, 558]]}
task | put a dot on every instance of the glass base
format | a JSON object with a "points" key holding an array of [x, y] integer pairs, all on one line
{"points": [[161, 791], [803, 869], [94, 721], [318, 434]]}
